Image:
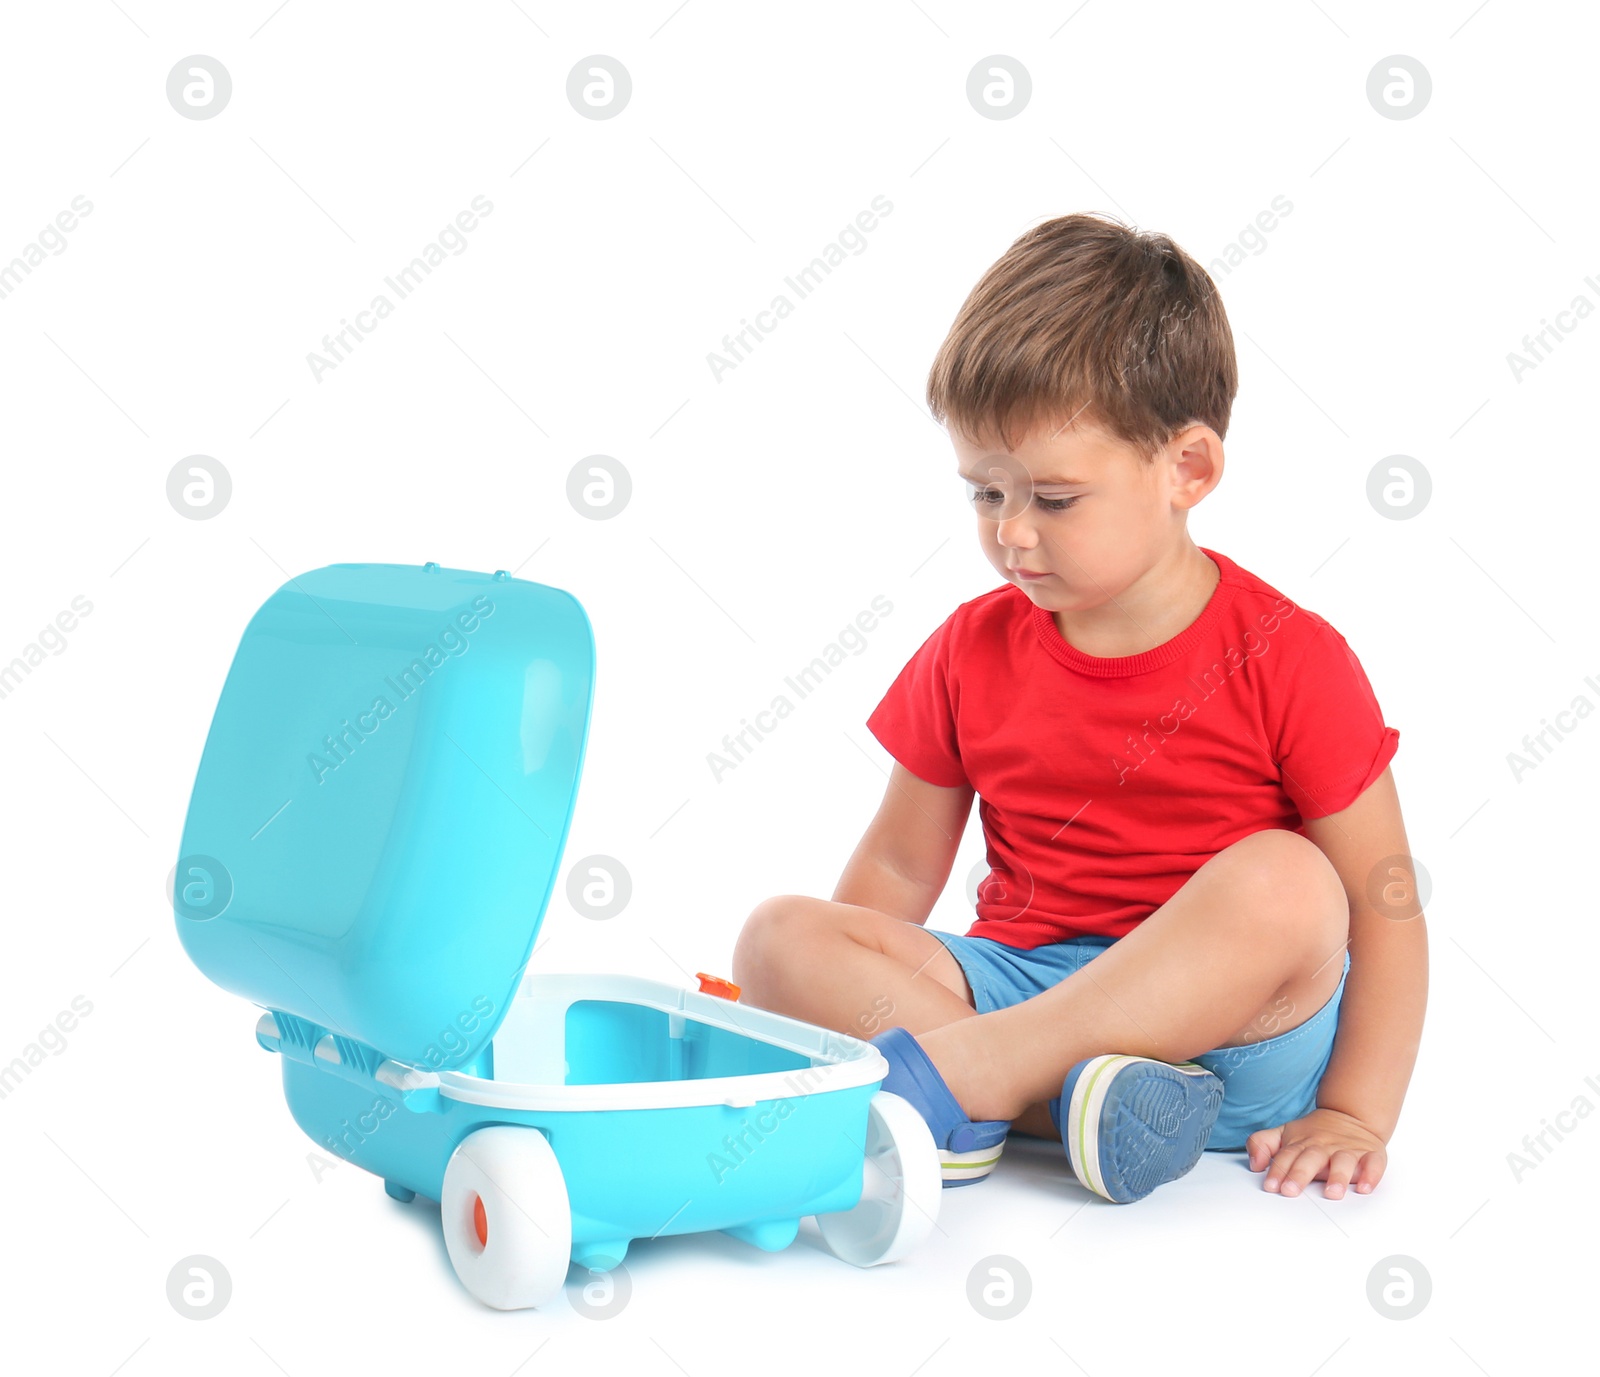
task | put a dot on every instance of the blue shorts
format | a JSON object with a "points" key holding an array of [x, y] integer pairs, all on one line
{"points": [[1265, 1083]]}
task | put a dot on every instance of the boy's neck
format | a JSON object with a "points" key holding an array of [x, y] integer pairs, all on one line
{"points": [[1162, 602]]}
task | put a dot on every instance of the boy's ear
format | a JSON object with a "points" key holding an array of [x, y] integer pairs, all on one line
{"points": [[1197, 461]]}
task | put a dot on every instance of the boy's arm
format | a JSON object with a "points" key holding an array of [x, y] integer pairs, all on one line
{"points": [[902, 861], [1386, 991], [1380, 1016]]}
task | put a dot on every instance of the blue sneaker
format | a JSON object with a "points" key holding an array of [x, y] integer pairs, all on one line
{"points": [[968, 1149], [1133, 1123]]}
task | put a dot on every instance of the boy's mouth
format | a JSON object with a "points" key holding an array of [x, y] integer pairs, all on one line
{"points": [[1029, 573]]}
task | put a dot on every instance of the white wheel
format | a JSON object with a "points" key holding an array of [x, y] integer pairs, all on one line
{"points": [[507, 1221], [900, 1190]]}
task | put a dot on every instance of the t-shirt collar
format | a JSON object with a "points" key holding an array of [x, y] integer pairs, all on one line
{"points": [[1118, 666]]}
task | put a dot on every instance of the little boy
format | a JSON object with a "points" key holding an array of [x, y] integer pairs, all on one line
{"points": [[1199, 926]]}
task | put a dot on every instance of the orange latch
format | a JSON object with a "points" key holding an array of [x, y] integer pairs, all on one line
{"points": [[716, 985]]}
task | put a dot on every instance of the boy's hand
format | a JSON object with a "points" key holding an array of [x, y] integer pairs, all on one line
{"points": [[1324, 1144]]}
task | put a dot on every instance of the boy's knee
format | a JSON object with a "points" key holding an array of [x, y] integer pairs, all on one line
{"points": [[1287, 875], [779, 913], [770, 930]]}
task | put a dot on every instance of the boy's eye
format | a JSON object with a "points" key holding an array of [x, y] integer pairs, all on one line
{"points": [[993, 497]]}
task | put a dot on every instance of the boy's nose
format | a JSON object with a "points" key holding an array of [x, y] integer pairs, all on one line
{"points": [[1016, 532]]}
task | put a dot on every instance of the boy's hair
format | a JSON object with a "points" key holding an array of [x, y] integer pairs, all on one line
{"points": [[1085, 317]]}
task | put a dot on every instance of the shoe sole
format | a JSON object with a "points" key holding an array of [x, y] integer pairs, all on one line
{"points": [[963, 1168], [1133, 1123]]}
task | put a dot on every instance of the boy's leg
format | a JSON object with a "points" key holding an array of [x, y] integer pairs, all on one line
{"points": [[1262, 924], [849, 968]]}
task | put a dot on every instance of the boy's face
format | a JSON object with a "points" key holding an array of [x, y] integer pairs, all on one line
{"points": [[1080, 508]]}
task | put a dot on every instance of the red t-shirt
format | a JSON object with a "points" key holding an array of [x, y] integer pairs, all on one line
{"points": [[1104, 783]]}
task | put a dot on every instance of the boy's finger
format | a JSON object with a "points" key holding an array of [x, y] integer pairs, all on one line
{"points": [[1370, 1171], [1341, 1166], [1262, 1144], [1304, 1171], [1281, 1162]]}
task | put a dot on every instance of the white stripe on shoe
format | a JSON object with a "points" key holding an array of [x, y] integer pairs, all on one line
{"points": [[1082, 1120], [1088, 1095], [969, 1166]]}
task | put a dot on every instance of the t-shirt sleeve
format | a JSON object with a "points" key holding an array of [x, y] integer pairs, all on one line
{"points": [[1330, 740], [916, 720]]}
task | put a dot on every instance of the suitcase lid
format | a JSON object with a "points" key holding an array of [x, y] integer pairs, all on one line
{"points": [[382, 802]]}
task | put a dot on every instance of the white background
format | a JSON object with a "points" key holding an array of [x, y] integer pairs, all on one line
{"points": [[768, 510]]}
